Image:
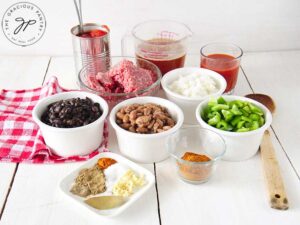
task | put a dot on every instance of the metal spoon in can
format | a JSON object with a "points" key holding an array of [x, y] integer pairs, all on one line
{"points": [[79, 15]]}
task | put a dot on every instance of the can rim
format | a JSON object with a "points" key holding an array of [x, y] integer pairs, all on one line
{"points": [[99, 26]]}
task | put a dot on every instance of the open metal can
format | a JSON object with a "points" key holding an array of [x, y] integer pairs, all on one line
{"points": [[88, 50]]}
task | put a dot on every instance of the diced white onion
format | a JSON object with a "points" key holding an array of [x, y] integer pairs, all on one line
{"points": [[194, 85]]}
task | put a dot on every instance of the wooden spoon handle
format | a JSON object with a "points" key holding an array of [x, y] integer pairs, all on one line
{"points": [[277, 195]]}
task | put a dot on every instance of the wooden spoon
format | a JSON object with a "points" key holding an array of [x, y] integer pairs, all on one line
{"points": [[277, 194]]}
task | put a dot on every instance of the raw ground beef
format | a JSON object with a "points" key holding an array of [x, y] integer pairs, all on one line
{"points": [[125, 77]]}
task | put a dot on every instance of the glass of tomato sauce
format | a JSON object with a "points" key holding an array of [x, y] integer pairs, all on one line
{"points": [[223, 58]]}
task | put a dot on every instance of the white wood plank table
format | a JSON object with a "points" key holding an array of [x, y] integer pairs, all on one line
{"points": [[236, 195]]}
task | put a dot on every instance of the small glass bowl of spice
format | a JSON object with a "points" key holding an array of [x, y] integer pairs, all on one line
{"points": [[196, 152]]}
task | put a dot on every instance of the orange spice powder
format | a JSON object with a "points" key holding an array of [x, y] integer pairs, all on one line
{"points": [[195, 172], [193, 157], [104, 163]]}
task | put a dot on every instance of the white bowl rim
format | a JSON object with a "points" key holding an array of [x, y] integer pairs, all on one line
{"points": [[179, 122], [41, 102], [216, 76], [268, 116]]}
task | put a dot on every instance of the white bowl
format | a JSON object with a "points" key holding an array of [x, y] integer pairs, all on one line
{"points": [[71, 141], [187, 104], [239, 145], [145, 148]]}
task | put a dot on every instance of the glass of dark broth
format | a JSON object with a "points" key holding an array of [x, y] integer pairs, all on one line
{"points": [[162, 42]]}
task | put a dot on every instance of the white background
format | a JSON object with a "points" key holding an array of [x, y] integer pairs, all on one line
{"points": [[255, 25]]}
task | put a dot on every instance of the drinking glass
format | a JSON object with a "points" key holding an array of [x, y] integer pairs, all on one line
{"points": [[223, 58]]}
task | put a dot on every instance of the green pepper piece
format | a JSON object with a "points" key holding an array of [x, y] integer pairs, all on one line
{"points": [[219, 107], [214, 120], [244, 129], [212, 102], [244, 112], [246, 119], [261, 121], [254, 117], [255, 109], [222, 125], [229, 127], [221, 100], [235, 121], [209, 115], [205, 113], [238, 103], [255, 125], [248, 125], [240, 124], [212, 114], [227, 115], [235, 110], [247, 109]]}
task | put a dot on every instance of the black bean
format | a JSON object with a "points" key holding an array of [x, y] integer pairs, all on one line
{"points": [[70, 113]]}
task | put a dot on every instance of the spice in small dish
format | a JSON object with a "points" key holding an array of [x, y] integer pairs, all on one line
{"points": [[113, 174], [104, 163], [192, 171], [90, 181], [193, 157], [107, 184], [128, 184]]}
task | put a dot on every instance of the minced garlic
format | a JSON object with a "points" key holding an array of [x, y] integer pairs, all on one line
{"points": [[128, 183]]}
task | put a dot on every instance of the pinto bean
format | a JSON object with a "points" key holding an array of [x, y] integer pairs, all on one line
{"points": [[146, 118]]}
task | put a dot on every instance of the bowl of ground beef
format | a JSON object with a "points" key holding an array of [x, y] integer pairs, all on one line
{"points": [[120, 79], [71, 122]]}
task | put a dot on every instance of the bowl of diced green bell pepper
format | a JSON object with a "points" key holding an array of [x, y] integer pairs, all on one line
{"points": [[240, 121]]}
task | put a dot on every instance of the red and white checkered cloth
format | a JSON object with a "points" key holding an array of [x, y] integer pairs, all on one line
{"points": [[20, 136]]}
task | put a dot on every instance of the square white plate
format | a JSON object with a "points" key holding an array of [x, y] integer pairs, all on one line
{"points": [[66, 183]]}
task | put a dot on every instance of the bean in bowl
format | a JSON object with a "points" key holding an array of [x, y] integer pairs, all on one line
{"points": [[146, 118], [70, 113]]}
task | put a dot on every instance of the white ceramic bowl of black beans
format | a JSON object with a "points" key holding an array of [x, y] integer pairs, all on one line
{"points": [[72, 122]]}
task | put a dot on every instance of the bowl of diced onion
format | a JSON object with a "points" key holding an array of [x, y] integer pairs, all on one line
{"points": [[189, 86], [239, 120]]}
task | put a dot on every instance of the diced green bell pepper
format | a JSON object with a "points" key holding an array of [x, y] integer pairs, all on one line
{"points": [[244, 129], [227, 114], [240, 124], [214, 120], [219, 107], [222, 125], [221, 100], [235, 110], [254, 117], [255, 125]]}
